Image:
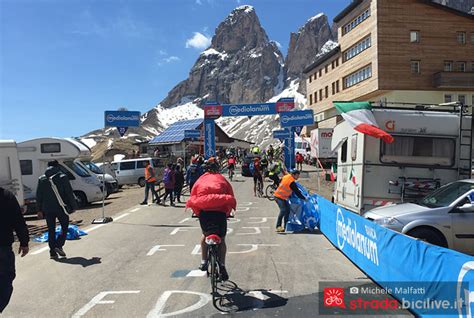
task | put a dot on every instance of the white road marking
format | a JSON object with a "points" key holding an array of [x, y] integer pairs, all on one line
{"points": [[157, 248], [182, 229], [230, 230], [135, 210], [196, 250], [41, 250], [121, 216], [204, 299], [184, 220], [263, 219], [253, 248], [259, 294], [241, 209], [256, 228], [196, 273], [98, 300], [245, 203], [233, 220], [88, 230]]}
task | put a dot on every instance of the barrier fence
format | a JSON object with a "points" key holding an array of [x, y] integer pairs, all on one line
{"points": [[399, 263]]}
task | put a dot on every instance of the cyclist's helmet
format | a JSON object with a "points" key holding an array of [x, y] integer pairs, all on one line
{"points": [[212, 165]]}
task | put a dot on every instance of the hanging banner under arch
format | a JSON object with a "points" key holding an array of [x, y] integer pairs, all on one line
{"points": [[209, 139]]}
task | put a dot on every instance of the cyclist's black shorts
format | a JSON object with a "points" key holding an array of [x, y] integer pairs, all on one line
{"points": [[213, 222], [256, 177], [231, 166]]}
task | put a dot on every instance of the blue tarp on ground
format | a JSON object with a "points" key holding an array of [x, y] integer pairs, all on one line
{"points": [[73, 233], [304, 214]]}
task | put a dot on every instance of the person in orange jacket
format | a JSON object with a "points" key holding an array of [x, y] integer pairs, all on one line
{"points": [[150, 180], [282, 194]]}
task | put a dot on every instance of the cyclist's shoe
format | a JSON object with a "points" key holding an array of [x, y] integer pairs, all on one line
{"points": [[203, 267], [223, 273], [280, 229]]}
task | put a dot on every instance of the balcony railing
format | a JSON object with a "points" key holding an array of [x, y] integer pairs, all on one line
{"points": [[459, 80]]}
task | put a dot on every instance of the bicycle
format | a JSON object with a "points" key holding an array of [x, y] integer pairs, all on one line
{"points": [[260, 188], [231, 174], [213, 241], [270, 191]]}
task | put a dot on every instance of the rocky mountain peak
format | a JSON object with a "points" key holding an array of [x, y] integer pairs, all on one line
{"points": [[241, 29], [305, 44]]}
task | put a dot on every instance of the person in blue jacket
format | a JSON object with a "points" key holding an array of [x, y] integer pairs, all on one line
{"points": [[193, 173]]}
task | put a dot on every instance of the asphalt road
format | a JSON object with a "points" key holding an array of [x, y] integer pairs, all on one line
{"points": [[144, 265]]}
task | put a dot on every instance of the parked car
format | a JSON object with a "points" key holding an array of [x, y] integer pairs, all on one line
{"points": [[445, 217], [132, 171], [111, 184]]}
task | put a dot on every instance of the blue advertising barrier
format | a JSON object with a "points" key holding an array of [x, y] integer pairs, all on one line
{"points": [[304, 214], [391, 258], [249, 109]]}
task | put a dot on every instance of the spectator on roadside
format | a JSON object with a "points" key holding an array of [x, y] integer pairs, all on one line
{"points": [[178, 187], [193, 173], [55, 200], [299, 161], [169, 180], [150, 181], [11, 220], [180, 161], [156, 153]]}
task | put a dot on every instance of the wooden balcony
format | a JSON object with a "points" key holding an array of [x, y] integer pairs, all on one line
{"points": [[458, 80]]}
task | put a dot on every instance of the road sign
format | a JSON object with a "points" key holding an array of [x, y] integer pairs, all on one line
{"points": [[122, 130], [298, 130], [121, 119], [297, 118], [209, 142], [192, 133], [281, 134], [249, 109], [285, 105]]}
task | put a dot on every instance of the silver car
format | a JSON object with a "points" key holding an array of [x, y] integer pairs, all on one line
{"points": [[445, 217]]}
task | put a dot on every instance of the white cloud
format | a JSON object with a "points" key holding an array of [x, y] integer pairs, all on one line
{"points": [[171, 59], [162, 52], [198, 2], [198, 41]]}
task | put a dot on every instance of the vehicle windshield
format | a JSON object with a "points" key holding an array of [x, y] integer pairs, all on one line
{"points": [[92, 167], [446, 195], [77, 168]]}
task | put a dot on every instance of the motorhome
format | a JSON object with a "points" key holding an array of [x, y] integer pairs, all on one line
{"points": [[432, 147], [302, 146], [35, 154], [321, 146], [10, 172]]}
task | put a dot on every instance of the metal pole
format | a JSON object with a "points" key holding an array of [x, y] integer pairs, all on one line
{"points": [[103, 185]]}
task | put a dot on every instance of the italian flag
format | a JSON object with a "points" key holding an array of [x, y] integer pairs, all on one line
{"points": [[359, 116], [352, 176], [333, 172]]}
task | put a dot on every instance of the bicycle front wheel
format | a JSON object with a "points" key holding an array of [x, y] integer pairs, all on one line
{"points": [[270, 191]]}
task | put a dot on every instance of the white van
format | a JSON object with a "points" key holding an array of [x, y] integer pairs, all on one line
{"points": [[302, 146], [10, 172], [35, 154], [132, 171]]}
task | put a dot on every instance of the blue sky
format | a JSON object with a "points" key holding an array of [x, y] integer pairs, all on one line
{"points": [[63, 63]]}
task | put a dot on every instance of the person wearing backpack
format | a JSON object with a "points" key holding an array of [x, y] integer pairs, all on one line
{"points": [[169, 180], [193, 173], [55, 200], [178, 187]]}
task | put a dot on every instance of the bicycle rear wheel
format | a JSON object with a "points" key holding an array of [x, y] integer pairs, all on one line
{"points": [[214, 269]]}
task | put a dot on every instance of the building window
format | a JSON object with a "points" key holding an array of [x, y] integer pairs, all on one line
{"points": [[415, 67], [472, 97], [310, 78], [462, 99], [326, 91], [344, 151], [332, 65], [472, 38], [311, 99], [461, 37], [26, 167], [320, 72], [448, 66], [326, 68], [333, 88], [358, 76], [337, 62], [448, 98], [321, 94], [414, 36], [315, 97], [357, 48], [337, 86], [351, 25], [315, 75], [461, 66]]}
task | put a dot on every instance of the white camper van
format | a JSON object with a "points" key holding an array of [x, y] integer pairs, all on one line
{"points": [[10, 172], [35, 154], [427, 153], [302, 146]]}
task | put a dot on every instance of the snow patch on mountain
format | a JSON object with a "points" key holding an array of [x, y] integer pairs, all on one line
{"points": [[186, 111]]}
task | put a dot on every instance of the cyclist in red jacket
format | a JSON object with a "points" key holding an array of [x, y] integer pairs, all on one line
{"points": [[212, 200]]}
